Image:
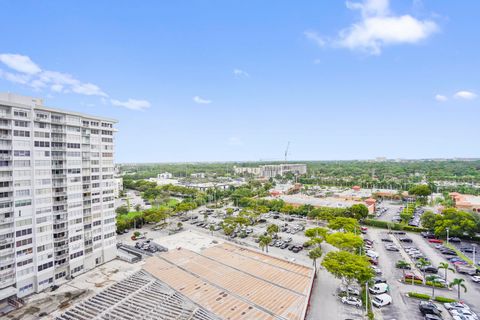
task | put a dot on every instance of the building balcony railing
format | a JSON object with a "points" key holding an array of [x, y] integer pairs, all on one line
{"points": [[6, 262], [61, 256], [6, 136], [7, 251], [5, 157], [6, 220], [6, 241], [6, 168], [6, 281], [60, 248], [62, 238]]}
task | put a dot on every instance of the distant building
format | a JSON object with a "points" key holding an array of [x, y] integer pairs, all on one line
{"points": [[165, 175], [466, 202], [118, 186], [273, 170], [198, 175]]}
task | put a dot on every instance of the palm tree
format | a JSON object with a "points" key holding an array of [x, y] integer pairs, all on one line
{"points": [[265, 241], [314, 254], [459, 282], [421, 264], [212, 228], [446, 267], [434, 280]]}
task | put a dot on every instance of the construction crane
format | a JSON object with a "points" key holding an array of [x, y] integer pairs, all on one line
{"points": [[286, 150]]}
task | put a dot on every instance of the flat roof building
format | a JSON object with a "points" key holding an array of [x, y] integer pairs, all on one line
{"points": [[57, 215]]}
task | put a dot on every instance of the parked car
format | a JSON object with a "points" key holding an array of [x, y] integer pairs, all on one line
{"points": [[378, 288], [353, 301], [435, 241], [475, 279], [351, 291], [410, 276], [432, 317], [454, 239], [455, 305], [463, 312], [379, 280], [427, 307], [381, 300], [406, 240], [391, 248], [387, 240], [376, 270]]}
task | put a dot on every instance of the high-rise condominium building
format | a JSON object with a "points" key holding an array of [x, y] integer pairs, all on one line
{"points": [[57, 215]]}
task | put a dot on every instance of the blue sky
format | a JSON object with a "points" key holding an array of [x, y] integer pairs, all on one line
{"points": [[236, 80]]}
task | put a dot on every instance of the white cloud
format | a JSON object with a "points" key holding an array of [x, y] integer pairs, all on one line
{"points": [[440, 98], [27, 72], [200, 100], [314, 37], [19, 63], [466, 95], [240, 73], [132, 104], [379, 27]]}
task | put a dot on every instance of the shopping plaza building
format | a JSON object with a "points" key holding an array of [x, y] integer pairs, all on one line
{"points": [[57, 215]]}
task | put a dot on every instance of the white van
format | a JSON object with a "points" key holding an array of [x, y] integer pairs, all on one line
{"points": [[381, 300], [378, 288]]}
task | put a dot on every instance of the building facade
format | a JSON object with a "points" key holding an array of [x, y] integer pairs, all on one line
{"points": [[57, 215], [272, 170]]}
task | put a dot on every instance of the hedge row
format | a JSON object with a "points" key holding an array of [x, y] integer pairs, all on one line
{"points": [[428, 283], [391, 225], [427, 297]]}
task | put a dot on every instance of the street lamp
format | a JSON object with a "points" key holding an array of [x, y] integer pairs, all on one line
{"points": [[474, 245], [448, 229]]}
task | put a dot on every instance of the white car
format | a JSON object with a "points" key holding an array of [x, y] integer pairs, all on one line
{"points": [[457, 317], [463, 312], [455, 305], [351, 290], [475, 279], [381, 300], [371, 254], [353, 301]]}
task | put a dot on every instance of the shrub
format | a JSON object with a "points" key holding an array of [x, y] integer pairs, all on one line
{"points": [[418, 295], [428, 283], [391, 225], [444, 299]]}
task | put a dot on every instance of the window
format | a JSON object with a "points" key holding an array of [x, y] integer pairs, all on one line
{"points": [[21, 114], [24, 232], [21, 153], [45, 266], [23, 203], [28, 287], [42, 144], [21, 133], [23, 124], [24, 242]]}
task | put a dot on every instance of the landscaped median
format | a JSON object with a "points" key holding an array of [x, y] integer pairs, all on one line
{"points": [[391, 225], [460, 254], [422, 296], [427, 284]]}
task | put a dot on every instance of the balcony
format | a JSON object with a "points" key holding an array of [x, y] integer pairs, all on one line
{"points": [[62, 238], [6, 241], [7, 251], [61, 256], [7, 157], [4, 220], [6, 168], [7, 280], [60, 248], [6, 136]]}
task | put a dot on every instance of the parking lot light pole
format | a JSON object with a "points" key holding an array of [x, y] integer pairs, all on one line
{"points": [[448, 229], [474, 245]]}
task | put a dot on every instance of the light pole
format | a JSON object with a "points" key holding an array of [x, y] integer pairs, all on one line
{"points": [[474, 245], [448, 230]]}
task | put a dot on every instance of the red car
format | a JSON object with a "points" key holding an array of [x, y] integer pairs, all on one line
{"points": [[435, 241], [409, 276], [363, 230]]}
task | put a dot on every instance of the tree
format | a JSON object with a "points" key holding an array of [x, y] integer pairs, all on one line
{"points": [[345, 241], [446, 267], [211, 228], [422, 263], [460, 284], [229, 211], [265, 241], [122, 210], [317, 235], [344, 224], [272, 229], [434, 281], [420, 190], [348, 266], [138, 207], [428, 220], [315, 254], [157, 214], [358, 211], [179, 225]]}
